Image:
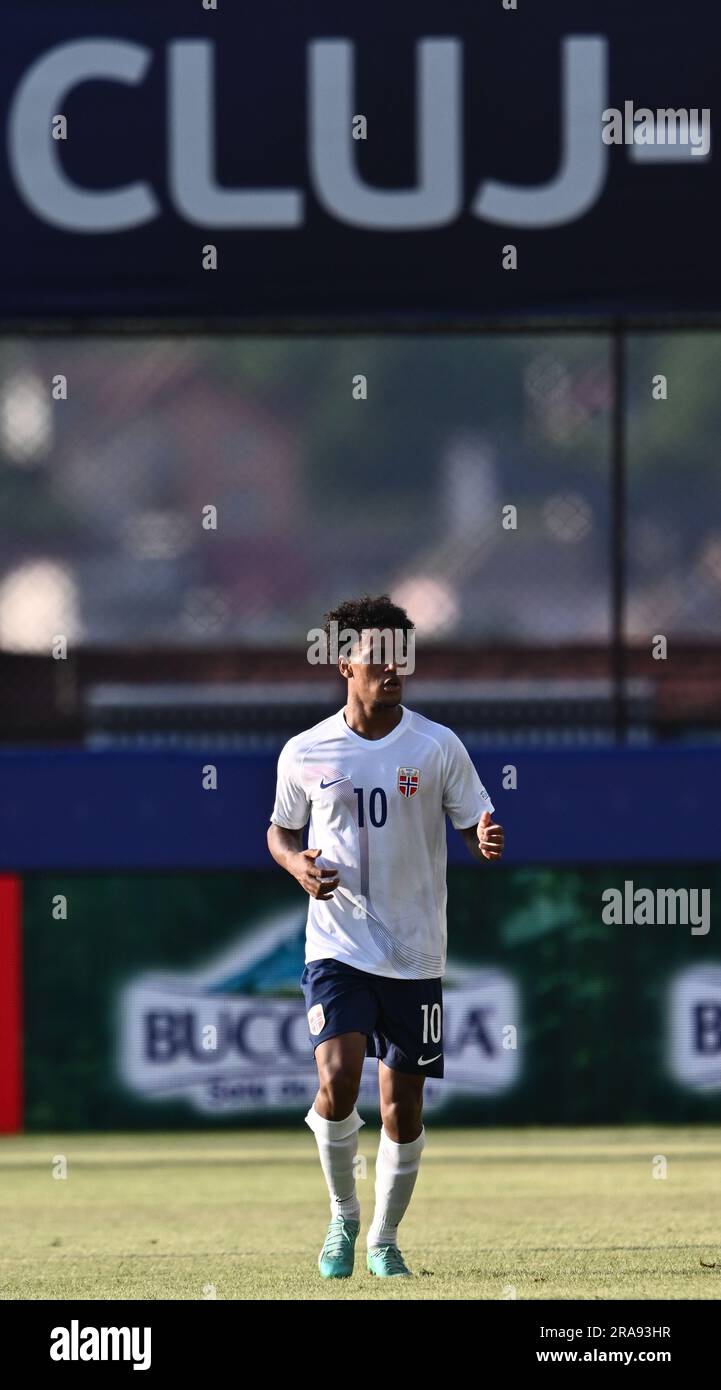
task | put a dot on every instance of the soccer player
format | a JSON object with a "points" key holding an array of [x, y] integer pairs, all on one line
{"points": [[377, 781]]}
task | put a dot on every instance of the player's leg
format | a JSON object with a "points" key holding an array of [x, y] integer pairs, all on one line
{"points": [[411, 1031], [334, 1118], [341, 1014], [401, 1096], [399, 1155], [335, 1122], [340, 1065]]}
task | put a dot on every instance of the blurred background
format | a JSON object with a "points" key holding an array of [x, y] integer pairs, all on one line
{"points": [[507, 475], [320, 496]]}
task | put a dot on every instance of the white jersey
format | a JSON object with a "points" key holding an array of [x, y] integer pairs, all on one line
{"points": [[377, 811]]}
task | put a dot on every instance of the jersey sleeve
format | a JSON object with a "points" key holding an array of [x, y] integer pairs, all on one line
{"points": [[292, 807], [464, 795]]}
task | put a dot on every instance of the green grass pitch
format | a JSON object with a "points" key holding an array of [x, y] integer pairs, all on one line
{"points": [[527, 1213]]}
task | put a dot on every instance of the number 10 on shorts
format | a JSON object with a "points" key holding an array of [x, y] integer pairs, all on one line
{"points": [[431, 1022]]}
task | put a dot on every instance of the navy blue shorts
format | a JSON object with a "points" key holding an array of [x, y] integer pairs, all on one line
{"points": [[402, 1019]]}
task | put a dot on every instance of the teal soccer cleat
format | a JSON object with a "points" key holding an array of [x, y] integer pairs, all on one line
{"points": [[387, 1261], [336, 1258]]}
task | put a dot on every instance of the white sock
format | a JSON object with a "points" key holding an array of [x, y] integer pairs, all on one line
{"points": [[396, 1172], [337, 1145]]}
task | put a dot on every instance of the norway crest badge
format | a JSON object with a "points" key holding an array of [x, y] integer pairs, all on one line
{"points": [[316, 1019], [409, 780]]}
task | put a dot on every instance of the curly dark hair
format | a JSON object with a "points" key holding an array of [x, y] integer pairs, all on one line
{"points": [[368, 612]]}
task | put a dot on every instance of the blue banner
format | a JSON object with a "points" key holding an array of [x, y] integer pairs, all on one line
{"points": [[125, 810]]}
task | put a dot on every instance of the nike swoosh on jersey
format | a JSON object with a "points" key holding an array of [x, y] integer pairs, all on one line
{"points": [[424, 1061], [324, 785]]}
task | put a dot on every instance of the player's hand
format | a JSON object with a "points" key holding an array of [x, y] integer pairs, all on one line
{"points": [[319, 883], [490, 837]]}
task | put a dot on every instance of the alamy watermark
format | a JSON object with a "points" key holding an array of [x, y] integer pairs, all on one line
{"points": [[383, 646], [659, 907], [665, 126], [78, 1343]]}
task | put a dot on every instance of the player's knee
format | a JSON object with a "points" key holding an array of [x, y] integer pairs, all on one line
{"points": [[339, 1091], [402, 1119]]}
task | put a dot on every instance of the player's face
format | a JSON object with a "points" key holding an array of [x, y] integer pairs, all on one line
{"points": [[378, 683]]}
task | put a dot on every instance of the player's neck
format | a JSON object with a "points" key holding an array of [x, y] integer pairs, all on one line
{"points": [[372, 723]]}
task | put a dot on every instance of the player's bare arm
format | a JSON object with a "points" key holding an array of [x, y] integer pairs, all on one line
{"points": [[485, 840], [286, 847]]}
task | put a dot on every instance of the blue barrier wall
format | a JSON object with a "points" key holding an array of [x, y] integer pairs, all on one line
{"points": [[138, 810]]}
